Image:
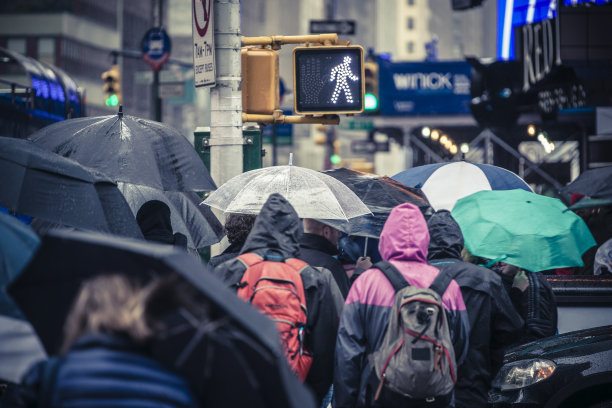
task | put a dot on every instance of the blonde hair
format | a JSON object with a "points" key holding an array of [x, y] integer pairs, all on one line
{"points": [[108, 304]]}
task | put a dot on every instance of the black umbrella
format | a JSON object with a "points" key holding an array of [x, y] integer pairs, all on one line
{"points": [[243, 348], [188, 216], [593, 183], [129, 149], [380, 194], [45, 185]]}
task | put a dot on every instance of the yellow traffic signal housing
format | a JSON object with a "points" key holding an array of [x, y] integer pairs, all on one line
{"points": [[112, 86], [260, 80], [328, 79], [371, 86]]}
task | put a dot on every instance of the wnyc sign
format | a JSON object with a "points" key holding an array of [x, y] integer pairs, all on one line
{"points": [[424, 87]]}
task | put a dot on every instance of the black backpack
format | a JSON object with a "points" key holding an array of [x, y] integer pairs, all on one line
{"points": [[416, 359]]}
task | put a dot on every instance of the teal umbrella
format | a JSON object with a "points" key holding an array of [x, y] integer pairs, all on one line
{"points": [[525, 229]]}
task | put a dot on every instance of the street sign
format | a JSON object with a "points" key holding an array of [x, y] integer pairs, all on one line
{"points": [[156, 47], [354, 124], [172, 90], [368, 146], [204, 68], [343, 27]]}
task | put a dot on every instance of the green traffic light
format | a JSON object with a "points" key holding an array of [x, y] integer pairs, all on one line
{"points": [[112, 100], [335, 159], [370, 102]]}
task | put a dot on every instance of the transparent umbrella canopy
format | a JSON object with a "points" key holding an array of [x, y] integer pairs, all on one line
{"points": [[312, 193]]}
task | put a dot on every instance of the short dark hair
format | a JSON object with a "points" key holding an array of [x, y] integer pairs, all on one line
{"points": [[238, 226]]}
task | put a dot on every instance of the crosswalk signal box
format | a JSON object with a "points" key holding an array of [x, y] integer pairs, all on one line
{"points": [[328, 79]]}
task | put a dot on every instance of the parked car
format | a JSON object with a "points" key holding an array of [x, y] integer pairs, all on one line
{"points": [[571, 370]]}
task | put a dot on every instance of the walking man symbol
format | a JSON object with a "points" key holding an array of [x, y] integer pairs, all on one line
{"points": [[341, 73]]}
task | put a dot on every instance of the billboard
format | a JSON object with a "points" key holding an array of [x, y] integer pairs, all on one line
{"points": [[424, 87]]}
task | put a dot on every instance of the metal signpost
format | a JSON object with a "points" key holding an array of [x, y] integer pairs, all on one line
{"points": [[156, 47]]}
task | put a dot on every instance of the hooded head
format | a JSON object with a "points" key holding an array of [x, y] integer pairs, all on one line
{"points": [[446, 237], [153, 218], [404, 236], [277, 229]]}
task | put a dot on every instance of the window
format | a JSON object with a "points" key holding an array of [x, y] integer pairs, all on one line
{"points": [[46, 50], [16, 45], [410, 23], [410, 47], [410, 2]]}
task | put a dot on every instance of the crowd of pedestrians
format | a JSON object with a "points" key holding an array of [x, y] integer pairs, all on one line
{"points": [[345, 303]]}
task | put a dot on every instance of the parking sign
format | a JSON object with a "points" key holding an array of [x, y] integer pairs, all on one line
{"points": [[203, 43]]}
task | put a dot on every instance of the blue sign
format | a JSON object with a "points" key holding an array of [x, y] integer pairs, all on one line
{"points": [[515, 13], [407, 88], [156, 47]]}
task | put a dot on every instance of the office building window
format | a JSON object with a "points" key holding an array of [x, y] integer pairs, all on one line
{"points": [[410, 23], [46, 50], [410, 47], [16, 45], [410, 2]]}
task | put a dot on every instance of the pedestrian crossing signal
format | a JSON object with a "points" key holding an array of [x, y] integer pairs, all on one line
{"points": [[112, 86], [328, 79]]}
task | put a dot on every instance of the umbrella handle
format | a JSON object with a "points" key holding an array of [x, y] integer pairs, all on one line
{"points": [[365, 247]]}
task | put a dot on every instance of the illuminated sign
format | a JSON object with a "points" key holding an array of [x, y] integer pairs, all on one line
{"points": [[328, 79]]}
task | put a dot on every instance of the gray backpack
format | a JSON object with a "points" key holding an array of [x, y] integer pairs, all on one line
{"points": [[416, 358]]}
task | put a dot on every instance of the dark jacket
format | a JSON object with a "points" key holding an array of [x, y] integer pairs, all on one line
{"points": [[403, 242], [494, 323], [316, 250], [276, 232], [536, 305], [230, 252], [101, 371]]}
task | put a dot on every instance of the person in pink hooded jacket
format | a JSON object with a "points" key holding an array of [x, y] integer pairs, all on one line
{"points": [[403, 242]]}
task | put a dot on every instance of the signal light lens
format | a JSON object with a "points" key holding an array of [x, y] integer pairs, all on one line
{"points": [[112, 100], [335, 159], [370, 102]]}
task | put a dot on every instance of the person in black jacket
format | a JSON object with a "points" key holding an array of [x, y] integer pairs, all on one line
{"points": [[153, 218], [277, 231], [533, 297], [237, 228], [494, 322], [319, 247]]}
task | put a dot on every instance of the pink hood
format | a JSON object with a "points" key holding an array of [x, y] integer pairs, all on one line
{"points": [[405, 236]]}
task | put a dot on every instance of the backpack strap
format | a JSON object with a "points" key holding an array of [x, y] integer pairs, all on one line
{"points": [[441, 282], [392, 274], [47, 385], [296, 264], [249, 259]]}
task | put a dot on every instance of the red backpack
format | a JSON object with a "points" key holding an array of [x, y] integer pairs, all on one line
{"points": [[276, 289]]}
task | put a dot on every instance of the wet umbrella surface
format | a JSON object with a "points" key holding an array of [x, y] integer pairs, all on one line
{"points": [[129, 149]]}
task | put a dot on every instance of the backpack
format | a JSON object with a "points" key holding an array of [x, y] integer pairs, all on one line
{"points": [[276, 289], [416, 358]]}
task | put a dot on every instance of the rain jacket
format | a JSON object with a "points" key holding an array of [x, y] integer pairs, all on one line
{"points": [[101, 371], [536, 305], [494, 322], [316, 250], [403, 242], [276, 232]]}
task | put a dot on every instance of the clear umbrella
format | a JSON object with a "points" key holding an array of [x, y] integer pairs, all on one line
{"points": [[312, 193]]}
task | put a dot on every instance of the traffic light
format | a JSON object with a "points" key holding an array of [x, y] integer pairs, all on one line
{"points": [[112, 86], [328, 79], [371, 87], [260, 80]]}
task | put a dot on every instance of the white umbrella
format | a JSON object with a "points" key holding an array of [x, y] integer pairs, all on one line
{"points": [[312, 193]]}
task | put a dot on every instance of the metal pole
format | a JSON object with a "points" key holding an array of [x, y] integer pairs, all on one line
{"points": [[156, 101], [274, 146], [226, 96]]}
